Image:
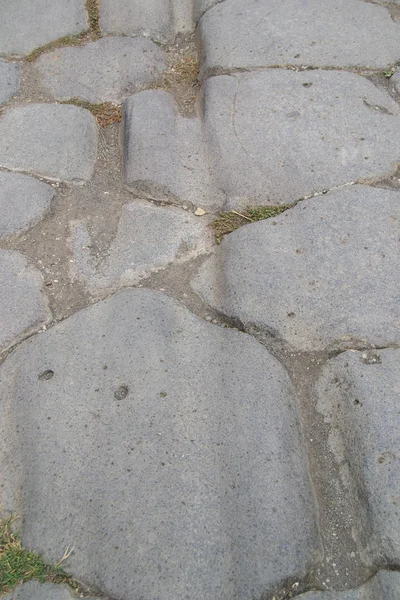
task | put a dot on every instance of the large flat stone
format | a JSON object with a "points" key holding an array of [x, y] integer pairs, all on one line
{"points": [[321, 275], [334, 33], [33, 590], [23, 304], [107, 70], [56, 141], [23, 202], [9, 80], [280, 135], [165, 450], [358, 394], [26, 25], [384, 586]]}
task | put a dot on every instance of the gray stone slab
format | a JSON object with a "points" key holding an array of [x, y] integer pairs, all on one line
{"points": [[165, 450], [280, 135], [23, 202], [396, 80], [107, 70], [23, 304], [148, 239], [358, 396], [58, 142], [321, 275], [165, 158], [334, 33], [26, 25], [384, 586], [161, 20], [33, 590], [9, 80]]}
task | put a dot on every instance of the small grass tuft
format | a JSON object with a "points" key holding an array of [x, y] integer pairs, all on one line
{"points": [[230, 221], [92, 7], [105, 113], [389, 73]]}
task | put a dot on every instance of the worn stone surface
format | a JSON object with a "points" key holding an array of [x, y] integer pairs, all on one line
{"points": [[165, 157], [334, 33], [384, 586], [148, 239], [26, 25], [281, 135], [322, 274], [58, 142], [9, 80], [33, 590], [107, 70], [185, 437], [23, 202], [23, 304], [396, 80]]}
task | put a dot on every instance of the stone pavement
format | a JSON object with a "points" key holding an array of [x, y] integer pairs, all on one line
{"points": [[201, 420]]}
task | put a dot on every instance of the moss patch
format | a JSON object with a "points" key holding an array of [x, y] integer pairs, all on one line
{"points": [[105, 113], [230, 221], [92, 7], [68, 40]]}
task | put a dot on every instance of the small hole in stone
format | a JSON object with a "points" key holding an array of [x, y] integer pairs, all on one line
{"points": [[121, 392], [46, 375]]}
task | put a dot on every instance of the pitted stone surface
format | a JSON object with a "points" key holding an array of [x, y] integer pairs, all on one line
{"points": [[9, 80], [281, 135], [26, 25], [23, 304], [165, 157], [322, 274], [33, 590], [55, 141], [186, 439], [23, 202], [384, 586], [107, 70], [358, 394], [148, 239], [334, 33]]}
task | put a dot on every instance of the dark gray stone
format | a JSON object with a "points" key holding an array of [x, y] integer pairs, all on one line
{"points": [[58, 142], [165, 450], [321, 275], [26, 25], [334, 33], [23, 304], [23, 202], [33, 590], [384, 586], [107, 70], [9, 80]]}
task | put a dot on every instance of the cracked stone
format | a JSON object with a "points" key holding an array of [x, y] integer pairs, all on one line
{"points": [[26, 25], [205, 495], [23, 304], [148, 239], [23, 202], [58, 142], [107, 70], [384, 586], [34, 590], [321, 275], [317, 33], [9, 80]]}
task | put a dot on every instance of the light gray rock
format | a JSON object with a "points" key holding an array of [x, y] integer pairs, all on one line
{"points": [[33, 590], [384, 586], [358, 396], [23, 202], [23, 304], [396, 80], [58, 142], [104, 71], [161, 20], [165, 450], [148, 239], [321, 275], [26, 25], [165, 158], [280, 135], [9, 80], [335, 33]]}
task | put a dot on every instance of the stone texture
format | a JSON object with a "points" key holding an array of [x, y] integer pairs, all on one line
{"points": [[281, 135], [161, 20], [321, 275], [384, 586], [26, 25], [23, 202], [33, 590], [358, 394], [164, 449], [9, 80], [335, 33], [23, 304], [396, 80], [164, 153], [58, 142], [148, 239], [107, 70]]}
